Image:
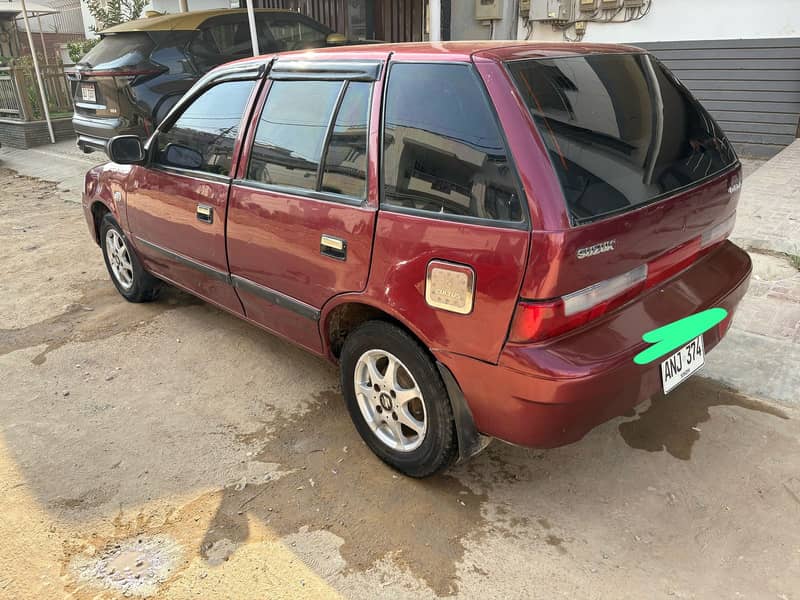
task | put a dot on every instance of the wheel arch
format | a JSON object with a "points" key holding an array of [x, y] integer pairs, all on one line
{"points": [[343, 314], [99, 210]]}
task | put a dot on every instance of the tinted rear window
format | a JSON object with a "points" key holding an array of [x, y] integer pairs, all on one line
{"points": [[119, 50], [620, 129], [443, 150]]}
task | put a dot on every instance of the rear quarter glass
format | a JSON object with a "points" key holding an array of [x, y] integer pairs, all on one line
{"points": [[620, 129], [444, 153]]}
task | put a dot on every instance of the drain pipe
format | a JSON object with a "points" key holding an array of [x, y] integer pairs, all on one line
{"points": [[251, 20], [435, 18]]}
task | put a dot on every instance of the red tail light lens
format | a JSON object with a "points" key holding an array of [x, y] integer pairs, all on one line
{"points": [[538, 320], [135, 72], [534, 321]]}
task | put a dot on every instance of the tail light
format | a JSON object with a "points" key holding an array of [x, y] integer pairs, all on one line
{"points": [[538, 320], [718, 232], [132, 72], [534, 321]]}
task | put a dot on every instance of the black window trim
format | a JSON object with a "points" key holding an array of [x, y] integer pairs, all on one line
{"points": [[559, 56], [191, 173], [329, 134], [246, 72], [523, 225], [298, 192], [290, 69], [316, 194], [656, 199]]}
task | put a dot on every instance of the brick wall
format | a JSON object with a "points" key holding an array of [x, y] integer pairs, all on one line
{"points": [[21, 134]]}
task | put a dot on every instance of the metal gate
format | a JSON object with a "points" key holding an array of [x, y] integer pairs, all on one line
{"points": [[388, 20]]}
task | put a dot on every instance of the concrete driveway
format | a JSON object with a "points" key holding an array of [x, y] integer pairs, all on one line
{"points": [[172, 451]]}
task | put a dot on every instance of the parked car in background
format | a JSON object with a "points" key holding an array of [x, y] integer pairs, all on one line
{"points": [[478, 233], [135, 75]]}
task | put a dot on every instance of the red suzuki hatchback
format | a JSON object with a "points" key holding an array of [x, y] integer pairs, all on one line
{"points": [[478, 233]]}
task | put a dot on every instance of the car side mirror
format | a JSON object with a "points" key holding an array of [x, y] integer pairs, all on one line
{"points": [[336, 39], [125, 150], [183, 157]]}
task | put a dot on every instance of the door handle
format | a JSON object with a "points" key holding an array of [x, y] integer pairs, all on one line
{"points": [[333, 247], [205, 213]]}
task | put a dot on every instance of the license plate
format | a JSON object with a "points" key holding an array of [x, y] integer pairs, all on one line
{"points": [[87, 92], [678, 367]]}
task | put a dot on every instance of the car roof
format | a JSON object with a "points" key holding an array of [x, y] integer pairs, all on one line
{"points": [[187, 21], [452, 51]]}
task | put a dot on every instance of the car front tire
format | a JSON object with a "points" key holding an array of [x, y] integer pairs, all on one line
{"points": [[397, 400], [129, 277]]}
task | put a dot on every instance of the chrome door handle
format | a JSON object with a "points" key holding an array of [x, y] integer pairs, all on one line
{"points": [[205, 213], [333, 247]]}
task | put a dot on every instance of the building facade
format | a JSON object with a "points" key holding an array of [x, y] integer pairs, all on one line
{"points": [[740, 58]]}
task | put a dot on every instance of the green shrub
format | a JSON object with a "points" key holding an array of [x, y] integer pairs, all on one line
{"points": [[78, 49]]}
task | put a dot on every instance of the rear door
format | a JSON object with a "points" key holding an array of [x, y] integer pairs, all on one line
{"points": [[177, 202], [301, 216], [453, 231]]}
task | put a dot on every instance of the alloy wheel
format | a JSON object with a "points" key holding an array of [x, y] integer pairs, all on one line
{"points": [[119, 258], [390, 400]]}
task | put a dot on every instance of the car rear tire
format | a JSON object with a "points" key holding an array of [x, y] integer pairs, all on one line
{"points": [[397, 399], [129, 277]]}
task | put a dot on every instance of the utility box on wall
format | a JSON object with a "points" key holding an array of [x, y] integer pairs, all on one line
{"points": [[551, 10], [488, 10]]}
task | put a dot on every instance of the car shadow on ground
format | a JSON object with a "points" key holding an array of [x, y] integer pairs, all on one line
{"points": [[314, 473]]}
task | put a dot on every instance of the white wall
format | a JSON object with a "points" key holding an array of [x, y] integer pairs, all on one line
{"points": [[88, 20], [673, 20], [171, 6], [165, 6]]}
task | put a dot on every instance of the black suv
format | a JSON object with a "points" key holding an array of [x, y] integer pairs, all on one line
{"points": [[135, 75]]}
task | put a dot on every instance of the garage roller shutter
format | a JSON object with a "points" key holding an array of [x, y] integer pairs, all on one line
{"points": [[752, 87]]}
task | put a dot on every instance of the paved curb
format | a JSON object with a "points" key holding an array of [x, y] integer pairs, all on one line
{"points": [[768, 217], [61, 163]]}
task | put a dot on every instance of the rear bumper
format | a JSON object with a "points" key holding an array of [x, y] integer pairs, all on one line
{"points": [[554, 393], [93, 133]]}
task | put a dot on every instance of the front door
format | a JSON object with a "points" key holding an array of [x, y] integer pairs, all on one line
{"points": [[177, 203], [301, 221]]}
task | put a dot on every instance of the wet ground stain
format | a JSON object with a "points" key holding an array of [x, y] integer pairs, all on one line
{"points": [[135, 560], [326, 479], [671, 423], [321, 477], [336, 484], [99, 313]]}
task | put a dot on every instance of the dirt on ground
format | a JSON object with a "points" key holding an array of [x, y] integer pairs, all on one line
{"points": [[169, 450]]}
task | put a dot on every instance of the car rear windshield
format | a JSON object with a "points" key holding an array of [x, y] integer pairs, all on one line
{"points": [[621, 130], [119, 50]]}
